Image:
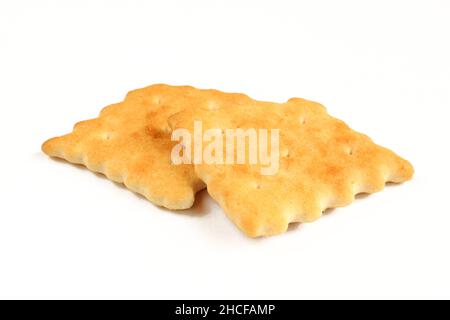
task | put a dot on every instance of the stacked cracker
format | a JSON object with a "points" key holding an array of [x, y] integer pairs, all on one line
{"points": [[323, 163]]}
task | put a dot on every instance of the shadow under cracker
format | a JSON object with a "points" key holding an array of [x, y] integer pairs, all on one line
{"points": [[199, 208], [393, 184], [293, 226], [358, 196]]}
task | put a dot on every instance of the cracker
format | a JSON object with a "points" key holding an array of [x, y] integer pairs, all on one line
{"points": [[323, 163], [130, 143]]}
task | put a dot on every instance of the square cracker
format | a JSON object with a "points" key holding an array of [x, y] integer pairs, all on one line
{"points": [[130, 143], [323, 163]]}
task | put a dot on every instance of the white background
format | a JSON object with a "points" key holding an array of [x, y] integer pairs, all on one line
{"points": [[382, 66]]}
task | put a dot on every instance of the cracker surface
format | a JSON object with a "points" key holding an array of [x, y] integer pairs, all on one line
{"points": [[130, 143], [323, 163]]}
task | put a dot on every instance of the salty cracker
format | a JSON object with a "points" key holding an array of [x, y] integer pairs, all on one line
{"points": [[323, 163], [130, 143]]}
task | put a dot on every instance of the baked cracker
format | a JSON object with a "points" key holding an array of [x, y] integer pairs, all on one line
{"points": [[323, 163], [130, 143]]}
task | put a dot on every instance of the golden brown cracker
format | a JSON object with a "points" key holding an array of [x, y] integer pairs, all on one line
{"points": [[130, 143], [323, 163]]}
